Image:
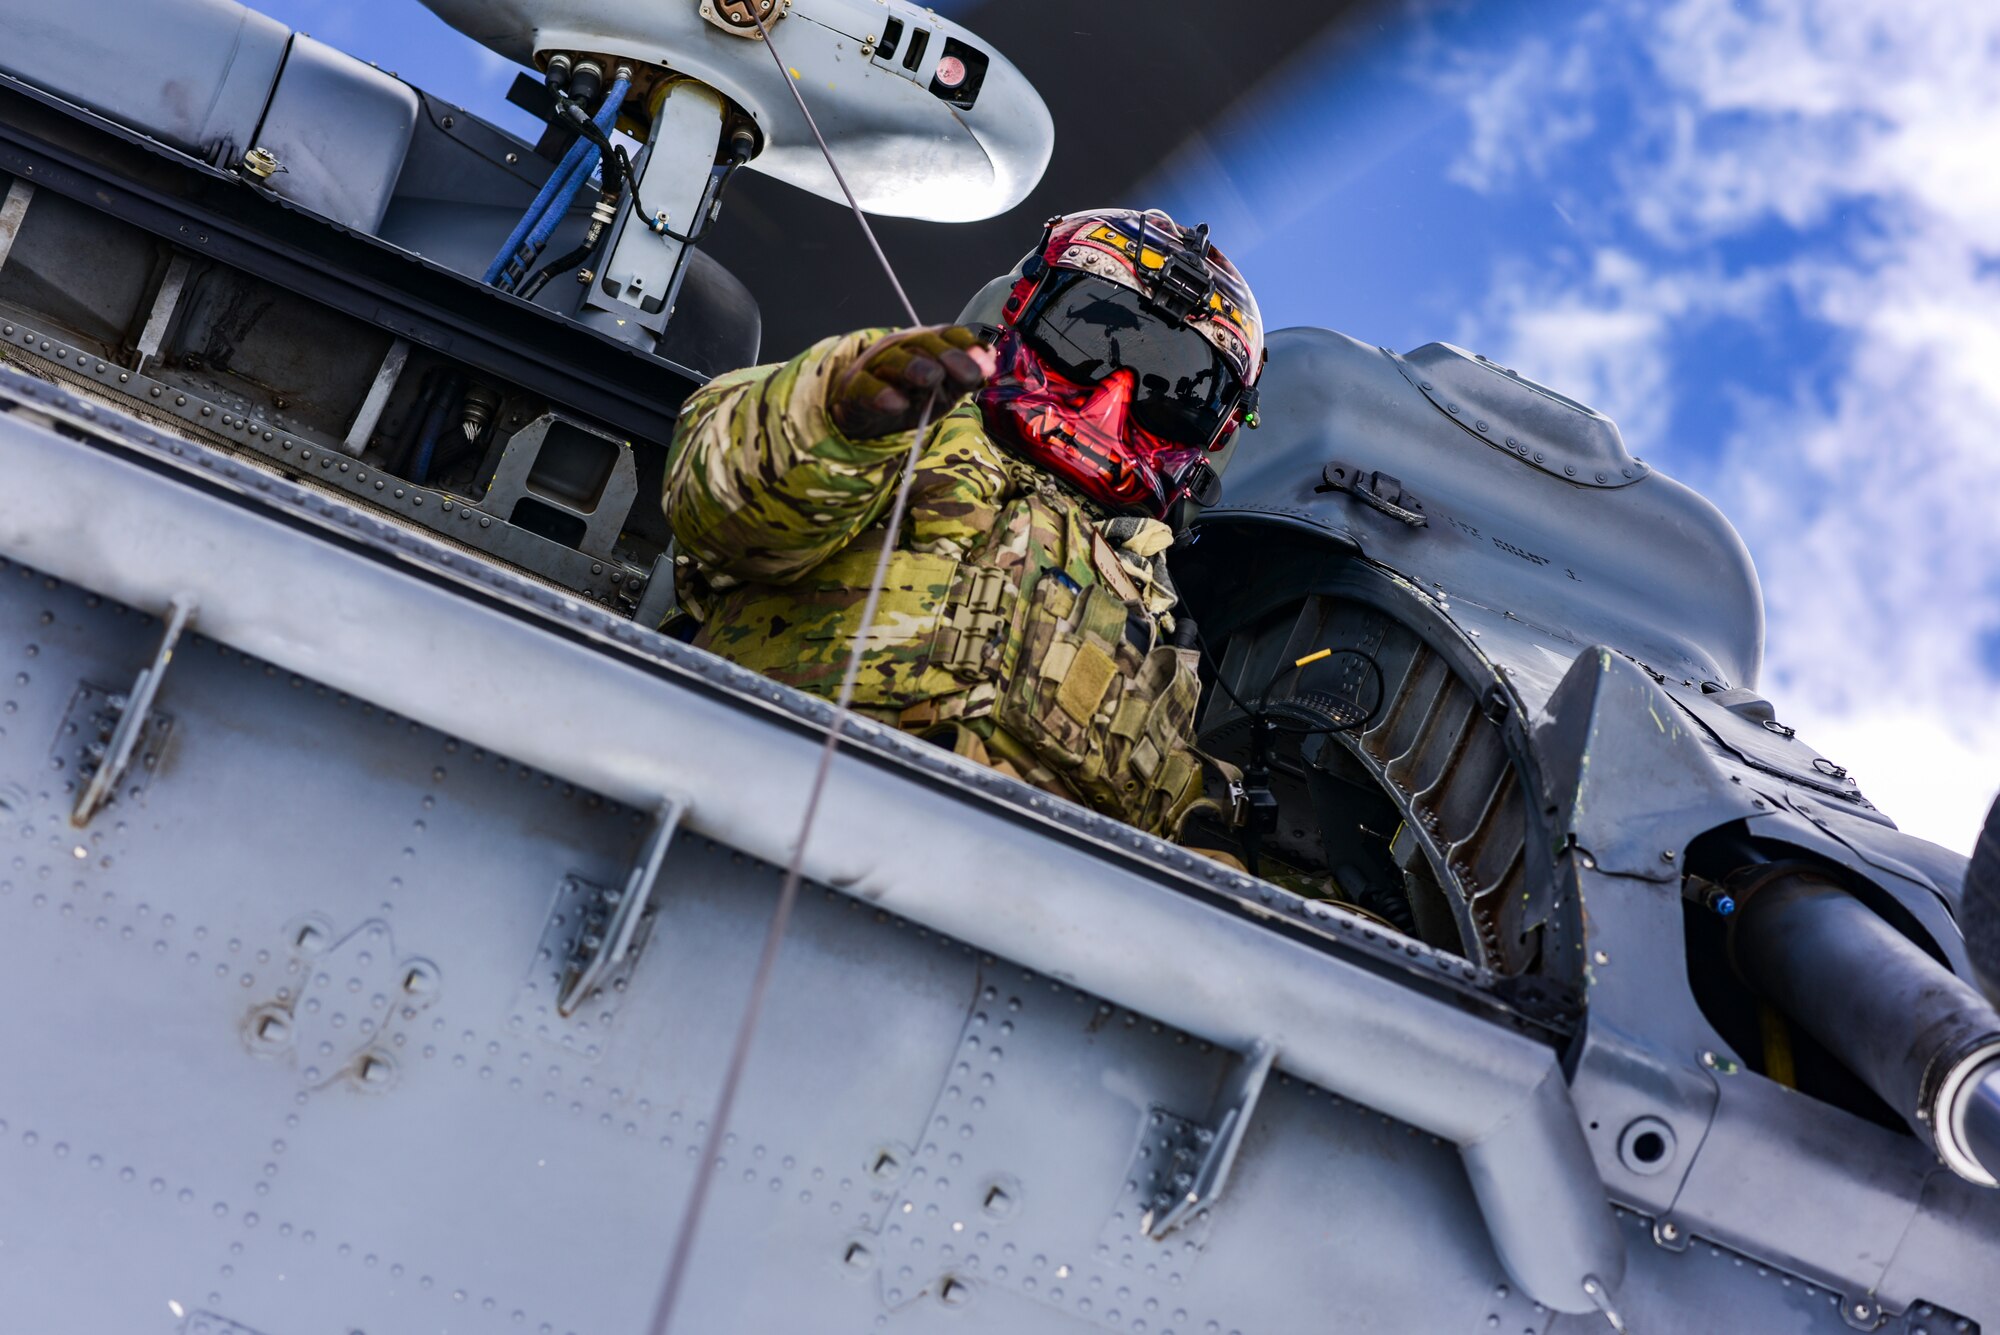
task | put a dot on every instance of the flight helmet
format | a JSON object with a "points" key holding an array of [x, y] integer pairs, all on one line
{"points": [[1129, 352]]}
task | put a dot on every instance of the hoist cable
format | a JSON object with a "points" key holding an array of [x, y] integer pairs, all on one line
{"points": [[788, 892]]}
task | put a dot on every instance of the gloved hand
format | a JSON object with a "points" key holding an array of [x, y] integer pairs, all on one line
{"points": [[886, 389]]}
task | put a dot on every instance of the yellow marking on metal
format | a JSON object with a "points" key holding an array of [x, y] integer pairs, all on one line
{"points": [[1313, 657], [1777, 1032]]}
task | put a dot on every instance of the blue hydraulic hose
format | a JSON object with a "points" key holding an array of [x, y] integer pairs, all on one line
{"points": [[534, 213], [539, 236], [573, 164], [434, 424]]}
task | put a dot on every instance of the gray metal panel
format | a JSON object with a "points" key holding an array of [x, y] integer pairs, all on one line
{"points": [[292, 1189], [285, 1198], [1845, 1220], [1650, 568], [602, 719], [1327, 1202], [340, 128], [1697, 1285], [1504, 409], [1767, 744], [191, 73]]}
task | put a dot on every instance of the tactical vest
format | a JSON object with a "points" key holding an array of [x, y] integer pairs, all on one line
{"points": [[1038, 641]]}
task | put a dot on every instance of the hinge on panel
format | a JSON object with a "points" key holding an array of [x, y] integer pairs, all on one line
{"points": [[1199, 1160], [1378, 491], [603, 947], [132, 711]]}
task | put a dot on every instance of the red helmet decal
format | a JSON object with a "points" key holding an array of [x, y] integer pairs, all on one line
{"points": [[1085, 435], [1131, 349]]}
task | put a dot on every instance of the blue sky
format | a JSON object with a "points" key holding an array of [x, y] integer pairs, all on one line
{"points": [[1764, 235]]}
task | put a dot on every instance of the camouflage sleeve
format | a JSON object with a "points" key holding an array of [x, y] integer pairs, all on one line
{"points": [[760, 484], [955, 496]]}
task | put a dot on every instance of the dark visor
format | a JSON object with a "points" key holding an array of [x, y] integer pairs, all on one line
{"points": [[1087, 328]]}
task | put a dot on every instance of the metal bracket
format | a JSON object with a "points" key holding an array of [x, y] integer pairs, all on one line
{"points": [[13, 209], [662, 595], [369, 415], [1378, 491], [1202, 1160], [602, 952], [166, 301], [736, 17], [569, 483], [133, 710]]}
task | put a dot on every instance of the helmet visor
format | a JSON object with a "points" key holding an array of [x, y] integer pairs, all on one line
{"points": [[1085, 329]]}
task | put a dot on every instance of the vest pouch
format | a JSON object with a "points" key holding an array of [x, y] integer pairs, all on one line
{"points": [[1111, 721], [800, 633], [1162, 757]]}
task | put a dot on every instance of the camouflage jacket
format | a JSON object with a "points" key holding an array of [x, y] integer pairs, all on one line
{"points": [[1014, 624]]}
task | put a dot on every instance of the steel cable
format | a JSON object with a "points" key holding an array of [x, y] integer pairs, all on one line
{"points": [[788, 892]]}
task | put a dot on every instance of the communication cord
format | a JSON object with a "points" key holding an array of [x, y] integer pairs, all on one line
{"points": [[788, 893]]}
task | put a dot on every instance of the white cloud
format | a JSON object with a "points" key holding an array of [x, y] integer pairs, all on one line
{"points": [[1792, 107], [1523, 109], [1597, 330], [1871, 129], [1882, 585]]}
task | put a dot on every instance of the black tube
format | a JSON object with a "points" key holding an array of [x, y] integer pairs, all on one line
{"points": [[413, 423], [585, 81], [1912, 1030], [568, 260], [434, 425], [1981, 908]]}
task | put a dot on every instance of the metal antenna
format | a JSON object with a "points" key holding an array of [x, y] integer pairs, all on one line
{"points": [[788, 893]]}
